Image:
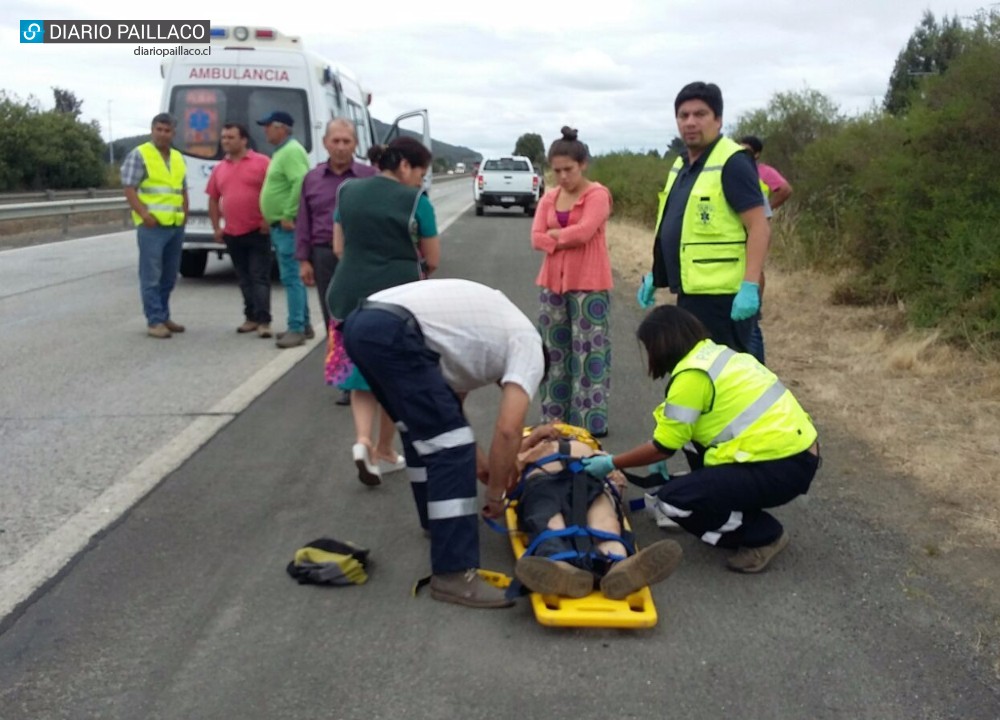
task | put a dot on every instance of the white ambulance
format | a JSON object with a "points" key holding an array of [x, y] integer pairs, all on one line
{"points": [[252, 71]]}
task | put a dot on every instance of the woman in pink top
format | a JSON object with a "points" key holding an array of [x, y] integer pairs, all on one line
{"points": [[570, 227]]}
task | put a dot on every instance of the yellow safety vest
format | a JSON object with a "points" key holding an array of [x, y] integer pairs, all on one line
{"points": [[713, 256], [753, 417], [162, 192]]}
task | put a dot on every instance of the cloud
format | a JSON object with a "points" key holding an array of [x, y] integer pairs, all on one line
{"points": [[587, 69], [488, 76]]}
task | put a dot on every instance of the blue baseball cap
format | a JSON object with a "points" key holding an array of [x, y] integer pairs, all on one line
{"points": [[277, 116]]}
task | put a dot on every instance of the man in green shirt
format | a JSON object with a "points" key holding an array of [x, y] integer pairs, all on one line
{"points": [[279, 203]]}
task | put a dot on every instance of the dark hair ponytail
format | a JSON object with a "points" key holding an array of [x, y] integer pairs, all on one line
{"points": [[388, 157], [569, 146]]}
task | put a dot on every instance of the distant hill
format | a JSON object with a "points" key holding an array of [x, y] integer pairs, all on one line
{"points": [[441, 150], [451, 154]]}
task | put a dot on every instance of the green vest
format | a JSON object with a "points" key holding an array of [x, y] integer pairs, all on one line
{"points": [[753, 416], [162, 192], [713, 240]]}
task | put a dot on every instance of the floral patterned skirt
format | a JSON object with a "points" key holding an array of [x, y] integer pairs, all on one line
{"points": [[340, 372], [574, 328]]}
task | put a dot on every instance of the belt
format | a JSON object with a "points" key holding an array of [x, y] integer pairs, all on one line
{"points": [[398, 310]]}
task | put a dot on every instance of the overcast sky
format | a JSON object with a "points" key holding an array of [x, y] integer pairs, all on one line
{"points": [[489, 72]]}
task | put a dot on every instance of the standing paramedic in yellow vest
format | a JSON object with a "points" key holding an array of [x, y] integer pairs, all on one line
{"points": [[153, 176], [749, 443], [711, 232]]}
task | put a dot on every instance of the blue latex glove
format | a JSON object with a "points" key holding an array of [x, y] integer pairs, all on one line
{"points": [[646, 297], [659, 468], [599, 466], [747, 301]]}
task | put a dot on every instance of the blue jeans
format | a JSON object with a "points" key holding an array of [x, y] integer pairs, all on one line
{"points": [[159, 263], [295, 291]]}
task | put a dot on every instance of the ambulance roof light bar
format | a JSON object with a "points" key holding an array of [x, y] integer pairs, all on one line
{"points": [[254, 36]]}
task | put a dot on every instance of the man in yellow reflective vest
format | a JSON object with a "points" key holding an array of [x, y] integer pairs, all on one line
{"points": [[154, 178], [711, 234]]}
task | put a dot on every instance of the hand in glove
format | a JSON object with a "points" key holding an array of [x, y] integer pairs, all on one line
{"points": [[646, 297], [598, 466], [747, 301], [659, 468]]}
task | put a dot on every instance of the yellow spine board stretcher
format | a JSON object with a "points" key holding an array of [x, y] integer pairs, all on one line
{"points": [[634, 612]]}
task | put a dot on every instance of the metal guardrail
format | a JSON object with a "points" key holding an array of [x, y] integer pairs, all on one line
{"points": [[52, 195], [62, 208], [112, 200]]}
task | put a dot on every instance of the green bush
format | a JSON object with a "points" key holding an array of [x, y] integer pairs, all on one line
{"points": [[635, 181], [47, 149], [912, 203]]}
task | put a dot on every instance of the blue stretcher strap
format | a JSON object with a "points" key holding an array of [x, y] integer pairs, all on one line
{"points": [[577, 531], [497, 527]]}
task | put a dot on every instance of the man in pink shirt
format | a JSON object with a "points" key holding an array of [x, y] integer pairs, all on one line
{"points": [[234, 189], [778, 189]]}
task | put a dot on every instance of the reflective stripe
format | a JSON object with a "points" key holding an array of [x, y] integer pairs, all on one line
{"points": [[445, 441], [671, 511], [165, 208], [712, 168], [160, 190], [720, 362], [733, 523], [681, 413], [444, 509], [416, 474], [690, 447], [401, 426], [752, 413]]}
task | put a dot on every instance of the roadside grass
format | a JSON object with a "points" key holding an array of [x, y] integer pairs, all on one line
{"points": [[927, 409]]}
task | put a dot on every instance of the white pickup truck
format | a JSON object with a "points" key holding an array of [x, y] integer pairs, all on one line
{"points": [[506, 181]]}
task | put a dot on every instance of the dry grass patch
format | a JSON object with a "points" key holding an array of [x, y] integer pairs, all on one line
{"points": [[928, 410]]}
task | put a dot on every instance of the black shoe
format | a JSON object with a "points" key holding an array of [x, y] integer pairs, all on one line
{"points": [[344, 399]]}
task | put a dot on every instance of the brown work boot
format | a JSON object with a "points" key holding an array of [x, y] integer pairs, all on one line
{"points": [[469, 589], [264, 330], [247, 326], [158, 331], [553, 577], [290, 340], [753, 560], [650, 565], [174, 327]]}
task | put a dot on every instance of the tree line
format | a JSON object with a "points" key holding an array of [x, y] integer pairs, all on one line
{"points": [[42, 149], [901, 202]]}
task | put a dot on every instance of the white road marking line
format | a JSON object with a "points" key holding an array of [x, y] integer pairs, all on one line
{"points": [[46, 559]]}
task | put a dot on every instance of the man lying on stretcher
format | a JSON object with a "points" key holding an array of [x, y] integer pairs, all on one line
{"points": [[572, 547]]}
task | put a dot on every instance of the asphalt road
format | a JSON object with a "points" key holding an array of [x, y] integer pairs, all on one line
{"points": [[183, 609]]}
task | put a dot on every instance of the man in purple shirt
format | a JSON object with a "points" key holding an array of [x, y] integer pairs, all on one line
{"points": [[314, 223]]}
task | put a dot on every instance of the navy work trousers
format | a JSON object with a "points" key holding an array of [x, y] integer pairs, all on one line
{"points": [[405, 376], [725, 505], [714, 312]]}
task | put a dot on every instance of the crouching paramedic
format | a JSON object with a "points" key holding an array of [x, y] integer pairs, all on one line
{"points": [[566, 559], [750, 444], [421, 347]]}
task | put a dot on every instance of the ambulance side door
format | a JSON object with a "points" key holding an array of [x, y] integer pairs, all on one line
{"points": [[418, 123]]}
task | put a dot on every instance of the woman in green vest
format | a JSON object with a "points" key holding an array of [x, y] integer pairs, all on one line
{"points": [[384, 235], [749, 443]]}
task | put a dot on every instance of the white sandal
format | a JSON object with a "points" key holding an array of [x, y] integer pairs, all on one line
{"points": [[368, 472]]}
